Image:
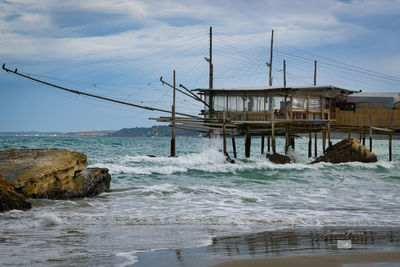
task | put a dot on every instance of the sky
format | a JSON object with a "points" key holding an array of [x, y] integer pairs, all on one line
{"points": [[121, 48]]}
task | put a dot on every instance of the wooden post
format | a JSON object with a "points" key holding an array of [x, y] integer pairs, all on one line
{"points": [[349, 135], [390, 138], [390, 147], [286, 141], [309, 145], [270, 58], [284, 74], [234, 146], [315, 144], [315, 72], [329, 135], [273, 132], [269, 143], [173, 151], [247, 145], [360, 133], [323, 142], [292, 142], [363, 141], [370, 133], [224, 132], [262, 144]]}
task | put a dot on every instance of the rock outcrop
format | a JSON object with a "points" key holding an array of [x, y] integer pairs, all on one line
{"points": [[90, 182], [278, 158], [10, 199], [51, 173], [347, 150]]}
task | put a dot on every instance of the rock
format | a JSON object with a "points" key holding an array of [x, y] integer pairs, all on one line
{"points": [[347, 150], [278, 158], [10, 199], [91, 181], [50, 173], [229, 159]]}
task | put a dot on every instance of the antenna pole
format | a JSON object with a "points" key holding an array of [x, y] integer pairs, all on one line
{"points": [[315, 72], [211, 85], [284, 73], [270, 58], [173, 122], [210, 62]]}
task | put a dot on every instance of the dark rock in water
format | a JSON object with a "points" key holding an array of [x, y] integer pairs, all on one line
{"points": [[347, 150], [228, 158], [278, 158], [10, 199], [47, 173], [92, 181], [152, 156]]}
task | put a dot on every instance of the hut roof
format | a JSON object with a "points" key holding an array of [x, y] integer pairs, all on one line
{"points": [[309, 90], [374, 97]]}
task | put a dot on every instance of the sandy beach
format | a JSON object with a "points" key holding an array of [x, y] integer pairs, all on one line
{"points": [[346, 260]]}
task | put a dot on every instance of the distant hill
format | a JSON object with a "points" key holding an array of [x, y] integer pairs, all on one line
{"points": [[160, 131], [85, 133]]}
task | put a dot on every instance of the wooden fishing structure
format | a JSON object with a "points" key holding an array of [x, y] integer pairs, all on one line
{"points": [[275, 111]]}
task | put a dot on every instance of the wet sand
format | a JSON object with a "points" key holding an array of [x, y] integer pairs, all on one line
{"points": [[322, 246], [384, 259]]}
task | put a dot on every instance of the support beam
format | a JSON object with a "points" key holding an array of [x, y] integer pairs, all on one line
{"points": [[224, 134], [247, 144], [370, 133], [286, 141], [309, 145], [329, 135], [324, 142], [269, 143], [273, 132], [315, 144], [234, 147], [292, 142], [390, 147], [262, 144]]}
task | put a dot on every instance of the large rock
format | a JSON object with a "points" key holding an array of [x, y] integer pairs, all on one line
{"points": [[278, 158], [347, 150], [89, 182], [10, 199], [50, 173]]}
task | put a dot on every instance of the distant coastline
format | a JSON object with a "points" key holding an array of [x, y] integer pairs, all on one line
{"points": [[154, 131]]}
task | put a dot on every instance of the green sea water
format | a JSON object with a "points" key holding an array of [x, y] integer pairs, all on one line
{"points": [[161, 203]]}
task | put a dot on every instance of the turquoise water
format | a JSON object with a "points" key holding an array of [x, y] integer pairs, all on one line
{"points": [[175, 203]]}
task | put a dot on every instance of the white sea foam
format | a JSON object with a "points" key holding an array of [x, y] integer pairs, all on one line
{"points": [[48, 219], [129, 257]]}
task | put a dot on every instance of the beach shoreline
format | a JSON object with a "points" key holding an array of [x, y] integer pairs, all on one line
{"points": [[336, 260], [301, 246]]}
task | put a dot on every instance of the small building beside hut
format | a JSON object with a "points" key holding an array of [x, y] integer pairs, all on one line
{"points": [[355, 110]]}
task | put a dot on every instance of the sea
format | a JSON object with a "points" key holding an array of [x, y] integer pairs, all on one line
{"points": [[192, 201]]}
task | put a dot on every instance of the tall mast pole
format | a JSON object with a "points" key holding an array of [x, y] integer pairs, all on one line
{"points": [[284, 73], [210, 62], [270, 58], [173, 122], [210, 95], [315, 72]]}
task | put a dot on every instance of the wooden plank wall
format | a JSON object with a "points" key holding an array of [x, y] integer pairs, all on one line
{"points": [[360, 117]]}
